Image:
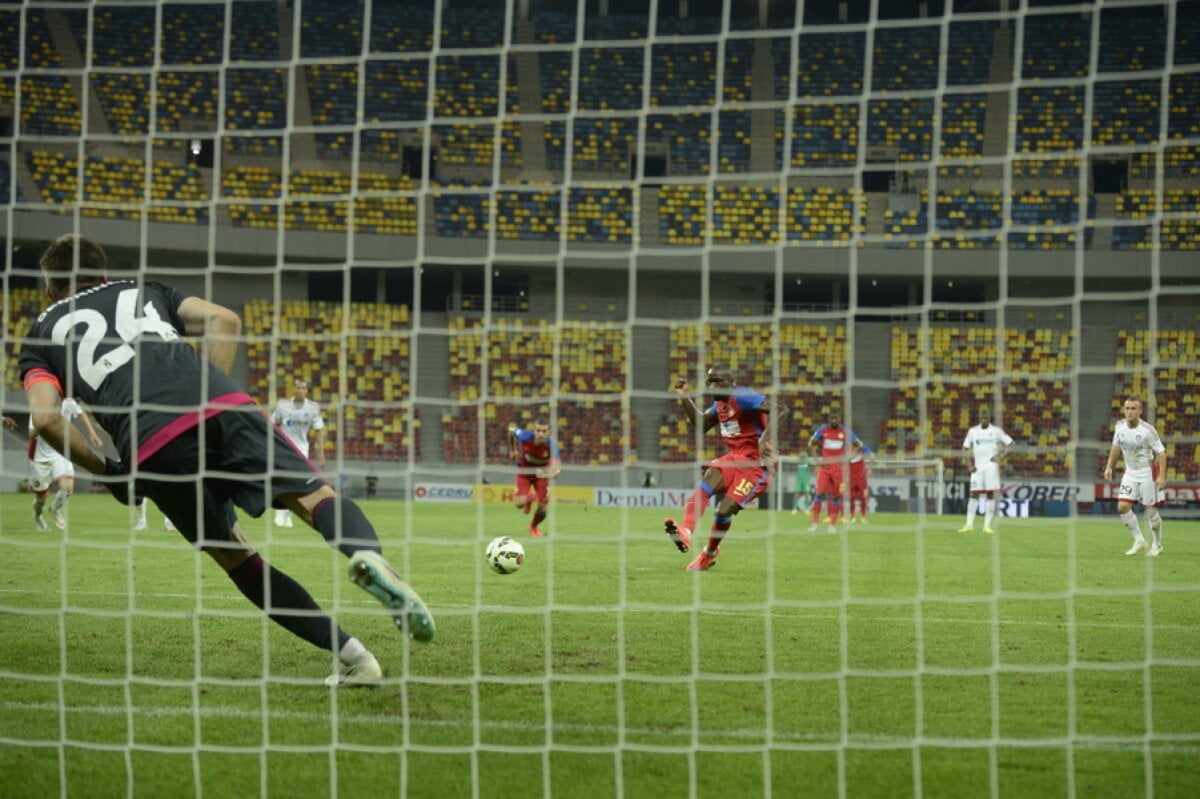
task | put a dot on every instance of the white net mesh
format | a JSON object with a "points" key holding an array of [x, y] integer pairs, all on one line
{"points": [[450, 216]]}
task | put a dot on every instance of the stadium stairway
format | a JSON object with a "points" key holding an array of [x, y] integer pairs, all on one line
{"points": [[1098, 351], [762, 120], [1106, 208], [68, 50], [1000, 72], [650, 372], [432, 380], [872, 361]]}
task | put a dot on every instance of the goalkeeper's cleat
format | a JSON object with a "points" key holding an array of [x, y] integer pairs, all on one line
{"points": [[1154, 551], [680, 536], [371, 572], [967, 529], [1138, 546], [59, 520], [40, 523], [361, 672], [704, 561], [988, 530], [280, 518]]}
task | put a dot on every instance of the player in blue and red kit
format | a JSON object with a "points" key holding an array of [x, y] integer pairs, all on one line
{"points": [[740, 475], [832, 446], [538, 460]]}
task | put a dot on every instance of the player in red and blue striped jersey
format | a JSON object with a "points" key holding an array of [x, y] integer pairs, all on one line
{"points": [[833, 446], [737, 477], [538, 460]]}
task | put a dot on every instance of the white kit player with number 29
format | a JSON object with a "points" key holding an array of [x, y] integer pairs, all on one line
{"points": [[299, 416], [1145, 474], [986, 444]]}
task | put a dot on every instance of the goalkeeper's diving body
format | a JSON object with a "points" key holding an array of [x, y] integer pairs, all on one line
{"points": [[193, 441]]}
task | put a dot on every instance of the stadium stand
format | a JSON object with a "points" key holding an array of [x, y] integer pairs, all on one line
{"points": [[371, 413], [520, 369], [1165, 376], [1180, 233], [809, 355], [946, 374]]}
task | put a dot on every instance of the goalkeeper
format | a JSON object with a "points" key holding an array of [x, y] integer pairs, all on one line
{"points": [[802, 492], [118, 346]]}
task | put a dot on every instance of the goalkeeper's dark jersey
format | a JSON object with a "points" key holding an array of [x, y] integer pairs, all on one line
{"points": [[117, 347]]}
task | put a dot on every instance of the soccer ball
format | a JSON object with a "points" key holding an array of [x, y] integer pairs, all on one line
{"points": [[504, 554]]}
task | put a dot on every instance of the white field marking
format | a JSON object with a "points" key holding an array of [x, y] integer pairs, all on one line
{"points": [[786, 613], [392, 720]]}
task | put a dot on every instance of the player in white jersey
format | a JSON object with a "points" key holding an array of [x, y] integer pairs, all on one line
{"points": [[47, 466], [298, 417], [986, 445], [1145, 474]]}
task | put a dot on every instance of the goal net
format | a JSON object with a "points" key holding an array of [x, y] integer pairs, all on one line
{"points": [[892, 486], [450, 217]]}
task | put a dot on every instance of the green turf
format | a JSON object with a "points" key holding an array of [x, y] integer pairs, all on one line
{"points": [[895, 659]]}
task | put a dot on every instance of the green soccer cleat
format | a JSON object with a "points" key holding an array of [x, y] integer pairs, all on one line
{"points": [[371, 572]]}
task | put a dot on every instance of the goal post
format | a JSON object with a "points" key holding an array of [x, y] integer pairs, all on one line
{"points": [[896, 485]]}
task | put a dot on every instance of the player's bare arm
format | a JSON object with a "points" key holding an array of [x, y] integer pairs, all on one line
{"points": [[1113, 454], [45, 409], [219, 325], [319, 446], [512, 442], [86, 419], [695, 416], [1160, 470]]}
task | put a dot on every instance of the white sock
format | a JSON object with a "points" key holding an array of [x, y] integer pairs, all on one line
{"points": [[142, 511], [972, 506], [60, 500], [1155, 523], [280, 517], [1131, 524], [351, 650], [989, 514]]}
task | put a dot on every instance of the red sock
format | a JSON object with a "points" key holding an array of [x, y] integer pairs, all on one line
{"points": [[816, 511], [694, 509], [720, 527], [835, 510]]}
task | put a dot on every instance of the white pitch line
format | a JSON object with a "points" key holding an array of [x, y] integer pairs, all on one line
{"points": [[392, 720], [783, 613]]}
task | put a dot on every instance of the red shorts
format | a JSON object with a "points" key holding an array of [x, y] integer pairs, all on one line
{"points": [[830, 480], [858, 480], [527, 483], [744, 479]]}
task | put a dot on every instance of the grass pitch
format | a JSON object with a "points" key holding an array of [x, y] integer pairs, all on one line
{"points": [[900, 658]]}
